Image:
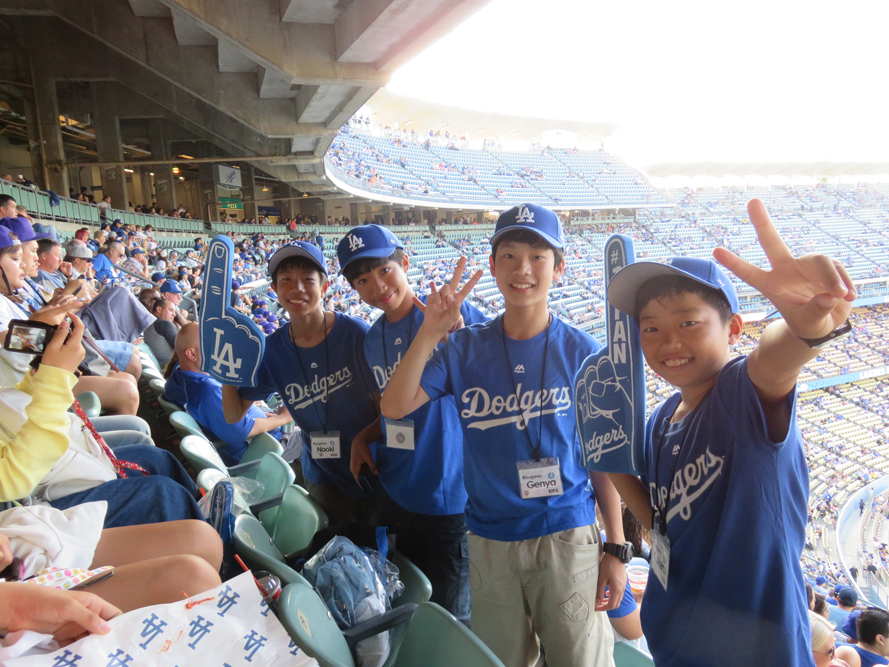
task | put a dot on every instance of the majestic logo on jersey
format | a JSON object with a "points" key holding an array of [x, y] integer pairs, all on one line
{"points": [[398, 341], [690, 482], [314, 365], [676, 449], [524, 215], [523, 406], [301, 396], [519, 369], [355, 242]]}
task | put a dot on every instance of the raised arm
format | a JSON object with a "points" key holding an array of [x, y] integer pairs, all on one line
{"points": [[404, 394], [233, 406], [813, 293]]}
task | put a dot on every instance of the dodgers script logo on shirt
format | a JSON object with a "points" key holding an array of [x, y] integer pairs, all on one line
{"points": [[301, 396], [690, 482], [382, 375], [524, 215], [522, 406]]}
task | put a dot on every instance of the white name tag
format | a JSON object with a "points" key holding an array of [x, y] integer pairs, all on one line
{"points": [[400, 434], [539, 479], [660, 556], [325, 445]]}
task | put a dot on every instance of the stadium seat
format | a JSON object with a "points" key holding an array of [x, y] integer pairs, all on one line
{"points": [[629, 656]]}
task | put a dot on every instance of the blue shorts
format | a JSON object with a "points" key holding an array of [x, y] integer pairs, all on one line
{"points": [[118, 351]]}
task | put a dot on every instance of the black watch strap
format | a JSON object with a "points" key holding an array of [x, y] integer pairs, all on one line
{"points": [[623, 552], [818, 343]]}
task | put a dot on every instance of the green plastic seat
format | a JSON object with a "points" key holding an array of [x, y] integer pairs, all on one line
{"points": [[185, 424], [157, 387], [260, 445], [254, 545], [629, 656], [417, 587], [434, 638], [90, 403], [168, 407], [201, 454], [298, 518]]}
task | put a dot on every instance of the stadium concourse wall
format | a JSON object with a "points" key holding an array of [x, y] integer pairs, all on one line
{"points": [[848, 539]]}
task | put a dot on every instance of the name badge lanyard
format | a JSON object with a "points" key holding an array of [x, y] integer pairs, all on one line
{"points": [[326, 375], [410, 334], [535, 451]]}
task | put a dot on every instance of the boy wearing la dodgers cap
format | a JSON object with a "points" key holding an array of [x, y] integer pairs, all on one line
{"points": [[536, 575], [419, 462], [724, 484], [317, 365]]}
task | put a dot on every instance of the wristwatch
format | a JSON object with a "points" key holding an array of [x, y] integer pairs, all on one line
{"points": [[623, 552], [818, 343]]}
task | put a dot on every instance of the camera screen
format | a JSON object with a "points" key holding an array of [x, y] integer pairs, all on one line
{"points": [[27, 339]]}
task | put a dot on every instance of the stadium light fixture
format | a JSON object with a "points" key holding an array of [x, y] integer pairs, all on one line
{"points": [[129, 171], [175, 170]]}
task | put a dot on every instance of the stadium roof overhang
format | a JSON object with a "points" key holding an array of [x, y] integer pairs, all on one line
{"points": [[741, 169], [408, 113]]}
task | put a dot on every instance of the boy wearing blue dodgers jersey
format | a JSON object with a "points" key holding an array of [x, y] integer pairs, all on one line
{"points": [[536, 576], [317, 365], [420, 459], [724, 477]]}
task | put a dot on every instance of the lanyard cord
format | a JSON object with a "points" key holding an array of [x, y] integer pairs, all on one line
{"points": [[326, 373], [535, 451], [662, 510], [410, 334]]}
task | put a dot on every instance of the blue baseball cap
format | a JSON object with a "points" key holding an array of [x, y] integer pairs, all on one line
{"points": [[366, 241], [850, 625], [625, 285], [22, 228], [6, 240], [534, 218], [137, 251], [298, 249], [170, 287], [157, 276]]}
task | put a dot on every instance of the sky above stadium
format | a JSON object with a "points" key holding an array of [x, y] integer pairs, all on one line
{"points": [[686, 81]]}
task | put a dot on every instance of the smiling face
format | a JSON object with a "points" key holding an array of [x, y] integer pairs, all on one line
{"points": [[524, 273], [300, 289], [685, 340], [386, 287]]}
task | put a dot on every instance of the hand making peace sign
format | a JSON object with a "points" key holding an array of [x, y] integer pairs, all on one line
{"points": [[442, 308], [813, 293]]}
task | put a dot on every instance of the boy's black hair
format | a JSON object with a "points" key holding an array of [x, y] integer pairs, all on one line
{"points": [[532, 239], [295, 262], [359, 266], [870, 623], [671, 286]]}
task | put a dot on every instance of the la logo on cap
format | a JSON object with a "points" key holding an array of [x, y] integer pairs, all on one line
{"points": [[355, 242], [524, 215]]}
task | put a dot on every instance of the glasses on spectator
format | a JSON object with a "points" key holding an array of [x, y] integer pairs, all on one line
{"points": [[831, 652]]}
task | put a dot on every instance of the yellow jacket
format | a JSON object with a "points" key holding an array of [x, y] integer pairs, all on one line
{"points": [[26, 456]]}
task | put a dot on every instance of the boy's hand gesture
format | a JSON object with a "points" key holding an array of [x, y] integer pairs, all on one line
{"points": [[813, 293], [441, 312]]}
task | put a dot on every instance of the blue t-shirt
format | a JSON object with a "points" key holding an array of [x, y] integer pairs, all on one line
{"points": [[867, 658], [302, 377], [492, 391], [736, 523], [104, 269], [429, 479], [203, 401], [627, 604]]}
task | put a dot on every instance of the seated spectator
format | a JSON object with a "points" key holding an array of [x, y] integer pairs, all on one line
{"points": [[822, 640], [137, 263], [171, 292], [872, 647], [846, 599], [80, 257], [201, 395], [105, 263], [160, 335], [148, 296], [52, 271]]}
